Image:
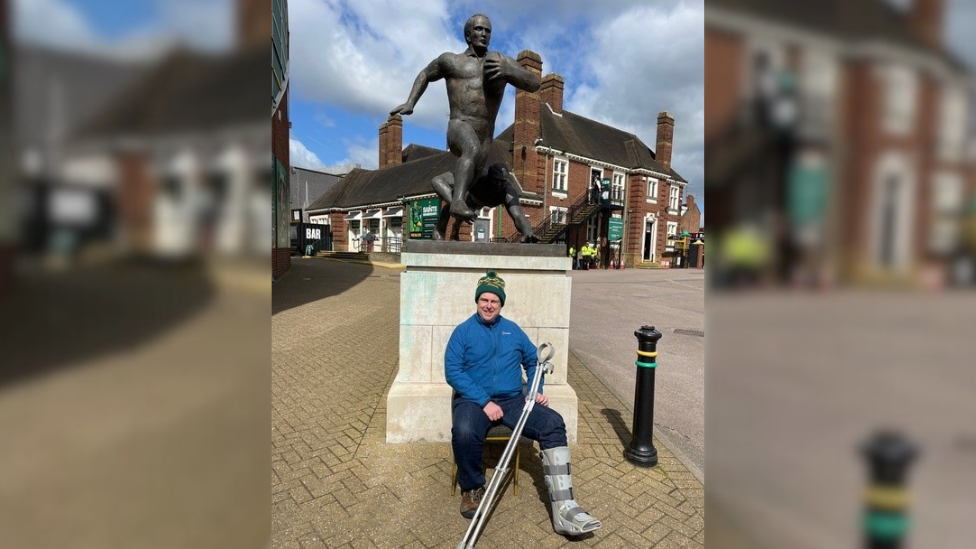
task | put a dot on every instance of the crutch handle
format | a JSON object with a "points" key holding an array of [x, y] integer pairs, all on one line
{"points": [[548, 350]]}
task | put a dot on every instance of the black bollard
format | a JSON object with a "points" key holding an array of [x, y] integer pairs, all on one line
{"points": [[888, 456], [641, 450]]}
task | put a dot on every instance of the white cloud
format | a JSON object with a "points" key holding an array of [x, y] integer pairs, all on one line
{"points": [[364, 154], [623, 61], [199, 24], [646, 60], [364, 56], [51, 22], [302, 157]]}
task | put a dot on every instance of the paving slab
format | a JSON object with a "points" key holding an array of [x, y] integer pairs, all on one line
{"points": [[337, 483]]}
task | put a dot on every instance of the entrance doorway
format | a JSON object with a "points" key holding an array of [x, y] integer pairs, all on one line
{"points": [[649, 245]]}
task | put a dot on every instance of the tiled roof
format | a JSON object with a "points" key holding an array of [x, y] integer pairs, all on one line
{"points": [[852, 20], [570, 133], [575, 134], [367, 187], [187, 91], [59, 91], [416, 152]]}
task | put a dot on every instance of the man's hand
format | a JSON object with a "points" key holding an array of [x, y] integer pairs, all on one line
{"points": [[542, 399], [493, 411], [403, 109]]}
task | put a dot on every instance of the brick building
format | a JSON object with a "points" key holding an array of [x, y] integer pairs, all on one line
{"points": [[881, 103], [554, 154], [280, 123]]}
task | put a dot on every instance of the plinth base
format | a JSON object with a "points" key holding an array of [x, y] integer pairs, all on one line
{"points": [[437, 294]]}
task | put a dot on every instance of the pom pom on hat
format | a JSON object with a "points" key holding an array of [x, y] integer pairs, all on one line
{"points": [[491, 283]]}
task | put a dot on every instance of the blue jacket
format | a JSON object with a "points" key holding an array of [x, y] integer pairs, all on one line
{"points": [[483, 361]]}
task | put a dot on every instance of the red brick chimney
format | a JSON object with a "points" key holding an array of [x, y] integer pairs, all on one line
{"points": [[391, 142], [526, 131], [926, 18], [665, 135], [254, 22], [382, 150], [552, 91]]}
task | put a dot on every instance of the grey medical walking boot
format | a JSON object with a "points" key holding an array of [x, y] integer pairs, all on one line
{"points": [[568, 518]]}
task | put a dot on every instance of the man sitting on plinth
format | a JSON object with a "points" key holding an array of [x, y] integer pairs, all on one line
{"points": [[483, 363]]}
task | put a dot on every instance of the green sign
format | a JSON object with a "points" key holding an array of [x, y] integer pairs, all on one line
{"points": [[423, 218], [615, 229], [605, 191]]}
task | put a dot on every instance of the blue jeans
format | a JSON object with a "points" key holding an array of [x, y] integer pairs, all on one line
{"points": [[470, 427]]}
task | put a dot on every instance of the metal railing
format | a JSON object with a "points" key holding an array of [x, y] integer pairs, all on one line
{"points": [[555, 229], [392, 244]]}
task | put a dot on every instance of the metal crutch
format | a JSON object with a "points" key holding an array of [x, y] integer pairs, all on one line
{"points": [[481, 514]]}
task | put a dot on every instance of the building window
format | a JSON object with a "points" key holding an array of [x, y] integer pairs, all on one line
{"points": [[617, 190], [560, 169], [557, 216], [674, 197], [652, 190], [952, 124], [900, 97], [672, 228], [593, 230], [819, 77]]}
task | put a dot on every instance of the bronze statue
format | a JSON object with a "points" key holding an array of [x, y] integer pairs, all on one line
{"points": [[494, 187], [476, 80]]}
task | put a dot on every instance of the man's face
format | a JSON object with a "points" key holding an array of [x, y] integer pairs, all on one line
{"points": [[489, 307], [480, 34]]}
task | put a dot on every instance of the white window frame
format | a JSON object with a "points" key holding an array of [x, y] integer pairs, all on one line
{"points": [[618, 182], [953, 123], [948, 189], [819, 82], [674, 198], [592, 230], [671, 229], [900, 99], [556, 212], [652, 189], [560, 179]]}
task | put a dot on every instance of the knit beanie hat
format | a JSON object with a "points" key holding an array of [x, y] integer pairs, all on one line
{"points": [[493, 284]]}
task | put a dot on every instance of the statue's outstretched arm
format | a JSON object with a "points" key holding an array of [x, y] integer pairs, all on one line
{"points": [[431, 73]]}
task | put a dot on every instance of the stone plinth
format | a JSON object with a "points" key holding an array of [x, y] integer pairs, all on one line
{"points": [[437, 293]]}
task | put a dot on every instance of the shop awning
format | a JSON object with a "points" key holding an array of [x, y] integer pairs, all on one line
{"points": [[393, 212], [353, 216], [372, 214]]}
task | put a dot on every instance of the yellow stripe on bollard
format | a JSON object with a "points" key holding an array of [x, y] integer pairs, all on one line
{"points": [[887, 498], [647, 353]]}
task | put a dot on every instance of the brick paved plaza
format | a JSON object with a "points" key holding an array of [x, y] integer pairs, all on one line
{"points": [[337, 484]]}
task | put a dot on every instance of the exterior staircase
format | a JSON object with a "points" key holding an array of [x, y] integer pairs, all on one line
{"points": [[549, 232]]}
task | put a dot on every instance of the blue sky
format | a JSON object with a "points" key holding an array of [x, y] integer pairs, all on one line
{"points": [[125, 28], [353, 60], [622, 61]]}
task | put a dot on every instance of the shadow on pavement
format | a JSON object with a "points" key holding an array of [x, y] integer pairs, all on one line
{"points": [[54, 320], [313, 279], [619, 426]]}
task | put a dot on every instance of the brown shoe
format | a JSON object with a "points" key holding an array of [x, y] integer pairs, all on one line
{"points": [[470, 500]]}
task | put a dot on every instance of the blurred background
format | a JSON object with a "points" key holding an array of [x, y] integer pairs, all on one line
{"points": [[135, 286], [841, 143], [841, 177]]}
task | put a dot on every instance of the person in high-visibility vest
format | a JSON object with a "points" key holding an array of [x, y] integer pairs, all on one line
{"points": [[572, 254]]}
